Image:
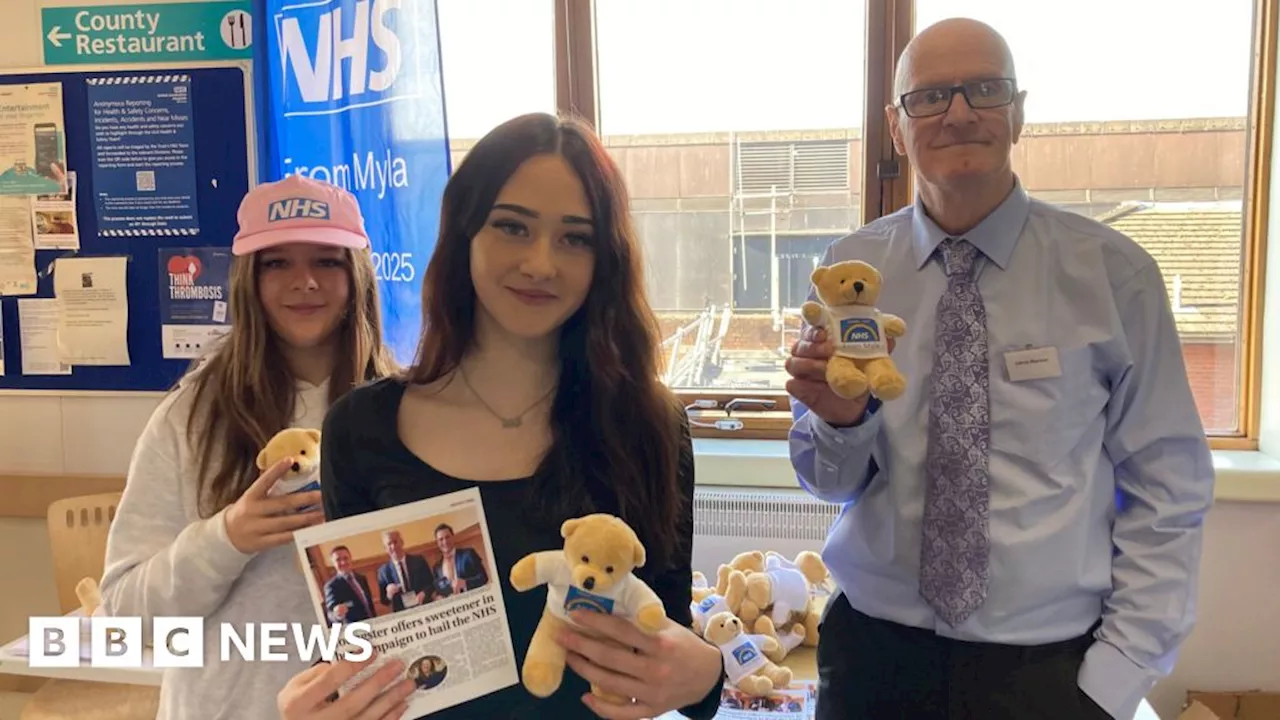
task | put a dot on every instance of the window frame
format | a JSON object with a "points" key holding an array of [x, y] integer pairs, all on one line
{"points": [[887, 187]]}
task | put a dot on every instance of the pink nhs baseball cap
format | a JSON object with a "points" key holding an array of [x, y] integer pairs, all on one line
{"points": [[298, 209]]}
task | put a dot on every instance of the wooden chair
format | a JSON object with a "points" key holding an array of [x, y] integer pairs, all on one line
{"points": [[78, 529]]}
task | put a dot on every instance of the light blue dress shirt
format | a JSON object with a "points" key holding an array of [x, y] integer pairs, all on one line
{"points": [[1100, 476]]}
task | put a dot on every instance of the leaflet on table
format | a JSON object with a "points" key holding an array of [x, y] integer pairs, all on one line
{"points": [[797, 701], [443, 617]]}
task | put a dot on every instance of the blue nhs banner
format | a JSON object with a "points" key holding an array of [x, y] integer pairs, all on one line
{"points": [[355, 98]]}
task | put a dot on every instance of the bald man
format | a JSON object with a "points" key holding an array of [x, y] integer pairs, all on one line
{"points": [[1022, 528]]}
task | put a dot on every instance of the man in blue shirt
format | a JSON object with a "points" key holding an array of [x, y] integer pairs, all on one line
{"points": [[1022, 527]]}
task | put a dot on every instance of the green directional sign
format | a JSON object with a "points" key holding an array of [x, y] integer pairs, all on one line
{"points": [[183, 31]]}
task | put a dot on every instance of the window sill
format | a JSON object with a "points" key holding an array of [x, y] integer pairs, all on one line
{"points": [[1242, 476]]}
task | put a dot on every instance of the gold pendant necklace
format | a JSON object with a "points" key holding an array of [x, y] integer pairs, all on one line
{"points": [[509, 423]]}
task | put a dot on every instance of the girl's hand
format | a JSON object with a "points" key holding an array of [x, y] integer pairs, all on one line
{"points": [[667, 671], [307, 695], [257, 522]]}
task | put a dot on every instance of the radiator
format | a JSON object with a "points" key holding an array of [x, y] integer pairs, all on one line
{"points": [[729, 521]]}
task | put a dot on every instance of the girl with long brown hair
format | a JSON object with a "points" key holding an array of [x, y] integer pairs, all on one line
{"points": [[198, 531], [537, 381]]}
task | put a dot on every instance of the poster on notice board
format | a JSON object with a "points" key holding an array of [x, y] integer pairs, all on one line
{"points": [[33, 144], [194, 295], [142, 138]]}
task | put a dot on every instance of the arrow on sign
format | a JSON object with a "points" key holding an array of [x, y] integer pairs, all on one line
{"points": [[56, 37]]}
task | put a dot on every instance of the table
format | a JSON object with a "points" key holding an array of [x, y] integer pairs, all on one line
{"points": [[803, 662], [13, 661]]}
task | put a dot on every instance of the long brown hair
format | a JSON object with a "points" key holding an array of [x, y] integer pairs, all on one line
{"points": [[616, 430], [243, 392]]}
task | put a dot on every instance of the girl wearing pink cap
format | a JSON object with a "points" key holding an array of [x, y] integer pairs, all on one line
{"points": [[539, 342], [197, 533]]}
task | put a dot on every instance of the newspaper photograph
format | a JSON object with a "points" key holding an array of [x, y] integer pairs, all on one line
{"points": [[797, 701], [423, 577]]}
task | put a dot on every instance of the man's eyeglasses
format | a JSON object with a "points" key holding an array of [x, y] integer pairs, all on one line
{"points": [[980, 94]]}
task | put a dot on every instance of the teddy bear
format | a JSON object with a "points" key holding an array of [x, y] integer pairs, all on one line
{"points": [[700, 587], [301, 444], [848, 292], [785, 641], [593, 572], [807, 561], [711, 601], [747, 562], [745, 665], [782, 593]]}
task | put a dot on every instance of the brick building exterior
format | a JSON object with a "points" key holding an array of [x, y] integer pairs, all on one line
{"points": [[737, 220]]}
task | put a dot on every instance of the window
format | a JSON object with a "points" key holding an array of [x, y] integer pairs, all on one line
{"points": [[1126, 133], [482, 86], [790, 167], [751, 137], [740, 143]]}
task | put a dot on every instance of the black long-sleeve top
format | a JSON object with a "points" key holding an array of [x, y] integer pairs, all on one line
{"points": [[365, 467]]}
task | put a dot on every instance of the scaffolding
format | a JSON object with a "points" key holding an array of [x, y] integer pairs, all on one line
{"points": [[740, 208], [697, 363]]}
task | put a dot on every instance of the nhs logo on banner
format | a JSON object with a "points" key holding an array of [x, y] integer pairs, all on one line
{"points": [[337, 55], [355, 98]]}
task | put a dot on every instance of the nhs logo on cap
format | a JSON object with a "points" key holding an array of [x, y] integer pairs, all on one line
{"points": [[336, 55], [294, 208]]}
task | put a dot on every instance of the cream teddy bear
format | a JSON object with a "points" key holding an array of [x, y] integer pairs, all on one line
{"points": [[593, 572], [745, 664], [708, 601], [782, 593], [848, 292], [303, 445]]}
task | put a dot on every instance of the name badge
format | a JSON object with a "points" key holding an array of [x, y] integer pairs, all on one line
{"points": [[1032, 364]]}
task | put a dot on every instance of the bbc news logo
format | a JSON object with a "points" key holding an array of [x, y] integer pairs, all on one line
{"points": [[178, 642]]}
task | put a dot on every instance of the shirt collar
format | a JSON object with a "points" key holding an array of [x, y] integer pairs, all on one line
{"points": [[995, 236]]}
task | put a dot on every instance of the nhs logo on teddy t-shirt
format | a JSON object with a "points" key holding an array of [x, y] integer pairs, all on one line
{"points": [[859, 332], [741, 658], [745, 653], [578, 599]]}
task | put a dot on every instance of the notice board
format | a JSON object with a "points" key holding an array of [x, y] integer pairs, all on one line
{"points": [[135, 214]]}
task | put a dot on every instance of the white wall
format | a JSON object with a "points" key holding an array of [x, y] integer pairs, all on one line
{"points": [[1236, 644]]}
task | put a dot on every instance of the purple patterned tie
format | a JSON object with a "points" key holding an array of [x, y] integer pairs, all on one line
{"points": [[954, 549]]}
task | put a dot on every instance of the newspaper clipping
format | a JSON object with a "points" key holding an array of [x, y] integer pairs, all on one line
{"points": [[797, 701], [422, 576]]}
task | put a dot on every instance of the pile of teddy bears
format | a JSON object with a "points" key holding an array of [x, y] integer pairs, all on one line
{"points": [[760, 609]]}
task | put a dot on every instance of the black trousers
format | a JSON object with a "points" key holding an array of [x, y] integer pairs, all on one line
{"points": [[871, 669]]}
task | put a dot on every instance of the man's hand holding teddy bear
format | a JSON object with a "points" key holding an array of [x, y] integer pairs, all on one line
{"points": [[843, 355]]}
